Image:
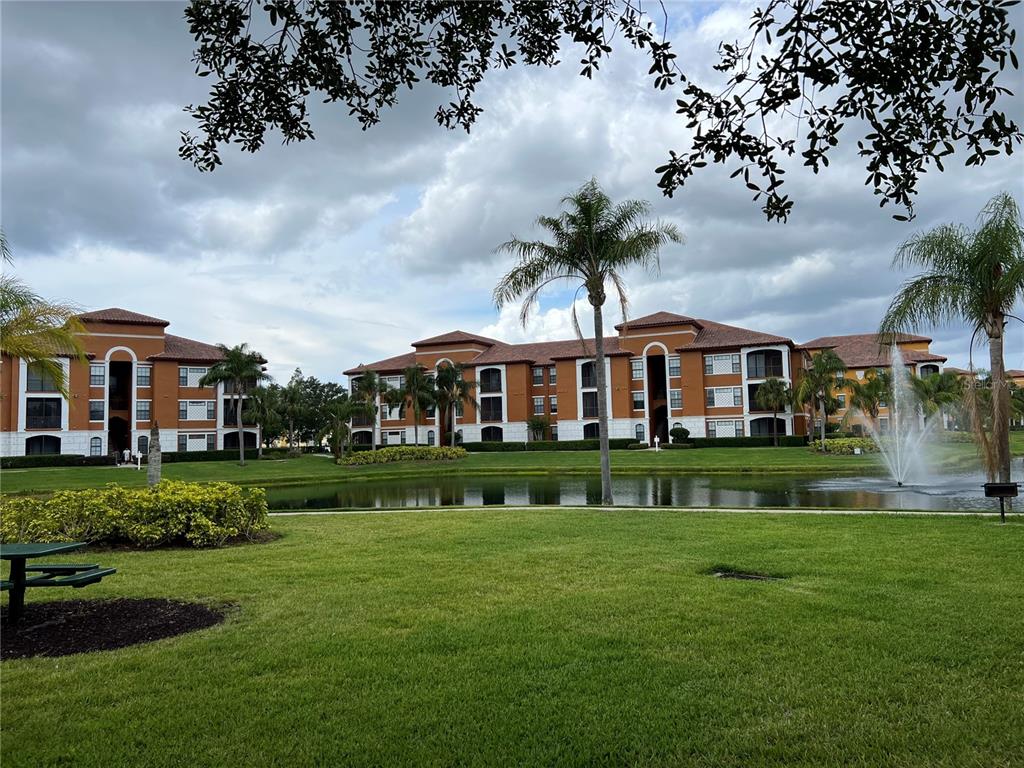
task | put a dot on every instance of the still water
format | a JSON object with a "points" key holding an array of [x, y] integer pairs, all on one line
{"points": [[950, 493]]}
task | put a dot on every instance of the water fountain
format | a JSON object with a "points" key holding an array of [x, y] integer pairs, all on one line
{"points": [[904, 445]]}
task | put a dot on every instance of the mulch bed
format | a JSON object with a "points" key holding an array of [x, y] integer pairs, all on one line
{"points": [[63, 627]]}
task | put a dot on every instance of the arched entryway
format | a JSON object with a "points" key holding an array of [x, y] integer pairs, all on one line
{"points": [[119, 434], [231, 440], [591, 431], [656, 364]]}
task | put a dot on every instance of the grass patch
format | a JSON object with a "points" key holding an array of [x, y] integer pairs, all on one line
{"points": [[544, 637]]}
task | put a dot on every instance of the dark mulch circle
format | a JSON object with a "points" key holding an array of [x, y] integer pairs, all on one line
{"points": [[63, 627], [728, 572]]}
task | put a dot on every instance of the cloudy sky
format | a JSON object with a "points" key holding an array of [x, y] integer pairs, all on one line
{"points": [[343, 250]]}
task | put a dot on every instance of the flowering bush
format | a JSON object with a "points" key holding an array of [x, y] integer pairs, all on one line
{"points": [[405, 453], [172, 512], [846, 445]]}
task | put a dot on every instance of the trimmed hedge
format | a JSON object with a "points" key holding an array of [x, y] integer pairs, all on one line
{"points": [[846, 445], [785, 441], [616, 444], [171, 512], [55, 460], [404, 453]]}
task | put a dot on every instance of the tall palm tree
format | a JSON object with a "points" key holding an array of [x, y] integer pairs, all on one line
{"points": [[817, 383], [292, 404], [367, 391], [240, 370], [36, 330], [263, 407], [974, 276], [335, 418], [451, 390], [594, 241], [774, 395], [417, 391], [868, 394]]}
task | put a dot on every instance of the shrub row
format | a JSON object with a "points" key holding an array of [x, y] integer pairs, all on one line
{"points": [[785, 441], [618, 443], [846, 445], [54, 460], [404, 453], [172, 512], [956, 437]]}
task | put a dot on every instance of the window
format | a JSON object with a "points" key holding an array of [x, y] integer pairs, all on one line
{"points": [[383, 438], [211, 410], [538, 406], [490, 409], [211, 442], [142, 410], [638, 400], [928, 370], [764, 364], [490, 380], [552, 375], [39, 379], [640, 433], [143, 444], [588, 379], [97, 375], [198, 410], [591, 431], [538, 376], [430, 437], [675, 398], [637, 368], [725, 428], [95, 410], [404, 437], [182, 442], [189, 377], [841, 379], [42, 444], [96, 446], [737, 396], [554, 432], [182, 382], [458, 409], [42, 413], [491, 435], [883, 425], [714, 364], [842, 402], [429, 411], [674, 367], [144, 376], [182, 410], [723, 397], [590, 405], [554, 403]]}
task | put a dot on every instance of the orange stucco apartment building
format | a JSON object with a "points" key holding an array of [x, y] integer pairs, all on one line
{"points": [[663, 370], [135, 373]]}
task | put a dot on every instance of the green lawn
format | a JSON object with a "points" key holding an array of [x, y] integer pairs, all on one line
{"points": [[568, 637], [316, 469]]}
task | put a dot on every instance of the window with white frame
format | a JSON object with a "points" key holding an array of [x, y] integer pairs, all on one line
{"points": [[39, 378], [197, 441], [96, 410], [403, 437], [715, 364], [430, 437], [190, 376], [459, 408], [675, 398], [538, 376], [640, 433], [638, 400], [538, 406], [97, 375], [723, 397], [211, 442], [552, 375], [144, 376], [143, 410], [197, 410], [554, 432], [95, 446], [637, 368], [841, 402], [723, 428], [674, 368], [553, 400]]}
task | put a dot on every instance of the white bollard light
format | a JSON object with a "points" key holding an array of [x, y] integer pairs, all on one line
{"points": [[657, 444]]}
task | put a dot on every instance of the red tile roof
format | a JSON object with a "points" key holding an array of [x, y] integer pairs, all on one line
{"points": [[388, 365], [122, 316], [1014, 373], [869, 350], [547, 352], [659, 319], [720, 336], [455, 337], [188, 350]]}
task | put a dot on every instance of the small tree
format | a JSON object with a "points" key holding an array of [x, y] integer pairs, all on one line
{"points": [[452, 390], [367, 391], [816, 385], [336, 416], [417, 392], [868, 394], [679, 434], [538, 427], [774, 395]]}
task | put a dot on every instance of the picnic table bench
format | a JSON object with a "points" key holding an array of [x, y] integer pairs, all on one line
{"points": [[44, 574]]}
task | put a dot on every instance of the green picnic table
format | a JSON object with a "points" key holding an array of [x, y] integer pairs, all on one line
{"points": [[49, 575]]}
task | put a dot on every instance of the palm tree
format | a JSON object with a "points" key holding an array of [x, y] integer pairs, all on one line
{"points": [[37, 330], [773, 395], [417, 391], [292, 404], [263, 406], [938, 390], [240, 370], [452, 390], [816, 385], [336, 416], [868, 394], [367, 391], [974, 276], [594, 240]]}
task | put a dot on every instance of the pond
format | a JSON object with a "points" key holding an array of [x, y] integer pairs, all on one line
{"points": [[955, 492]]}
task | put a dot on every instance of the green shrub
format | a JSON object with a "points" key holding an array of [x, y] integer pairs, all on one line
{"points": [[956, 437], [404, 453], [615, 444], [846, 445], [679, 434], [54, 460], [785, 441], [172, 512]]}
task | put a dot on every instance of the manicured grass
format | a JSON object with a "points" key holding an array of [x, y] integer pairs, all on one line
{"points": [[309, 469], [555, 637]]}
